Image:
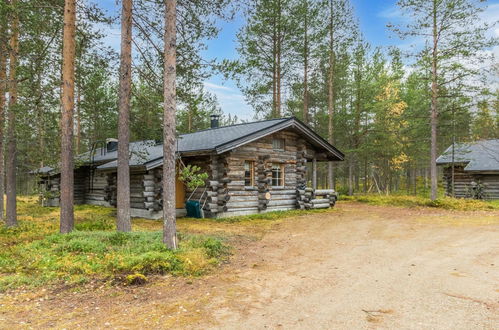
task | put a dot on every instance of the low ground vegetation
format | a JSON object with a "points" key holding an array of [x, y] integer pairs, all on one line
{"points": [[447, 203], [35, 254]]}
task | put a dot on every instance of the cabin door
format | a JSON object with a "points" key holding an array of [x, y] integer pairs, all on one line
{"points": [[179, 194]]}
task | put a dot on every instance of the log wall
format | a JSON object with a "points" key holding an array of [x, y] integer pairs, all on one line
{"points": [[463, 179], [262, 197]]}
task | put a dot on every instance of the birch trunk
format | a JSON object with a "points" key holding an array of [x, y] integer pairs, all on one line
{"points": [[11, 211], [68, 78], [169, 149], [123, 180]]}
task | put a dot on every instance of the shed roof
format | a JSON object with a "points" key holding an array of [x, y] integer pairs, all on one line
{"points": [[480, 156]]}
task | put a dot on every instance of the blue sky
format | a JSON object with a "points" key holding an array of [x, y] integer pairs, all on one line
{"points": [[373, 16]]}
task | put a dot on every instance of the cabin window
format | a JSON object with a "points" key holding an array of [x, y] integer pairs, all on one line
{"points": [[278, 144], [277, 175], [249, 173]]}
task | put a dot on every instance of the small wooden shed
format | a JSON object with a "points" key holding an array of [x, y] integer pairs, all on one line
{"points": [[252, 167], [471, 165]]}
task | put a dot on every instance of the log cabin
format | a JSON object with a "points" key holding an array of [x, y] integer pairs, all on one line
{"points": [[252, 167], [469, 165]]}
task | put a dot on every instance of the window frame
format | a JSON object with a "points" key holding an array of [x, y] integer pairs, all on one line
{"points": [[280, 179], [252, 173], [282, 142]]}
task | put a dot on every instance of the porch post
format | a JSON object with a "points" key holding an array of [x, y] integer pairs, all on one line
{"points": [[314, 173]]}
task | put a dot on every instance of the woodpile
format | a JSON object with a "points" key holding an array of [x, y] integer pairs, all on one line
{"points": [[309, 198]]}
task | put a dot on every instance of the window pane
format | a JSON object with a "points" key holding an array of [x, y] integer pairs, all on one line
{"points": [[278, 144], [247, 173], [277, 175]]}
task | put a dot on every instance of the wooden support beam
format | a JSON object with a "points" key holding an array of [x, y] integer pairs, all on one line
{"points": [[314, 173]]}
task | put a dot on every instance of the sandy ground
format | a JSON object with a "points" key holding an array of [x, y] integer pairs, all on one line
{"points": [[358, 267]]}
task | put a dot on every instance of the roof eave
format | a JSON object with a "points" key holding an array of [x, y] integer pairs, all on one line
{"points": [[291, 122]]}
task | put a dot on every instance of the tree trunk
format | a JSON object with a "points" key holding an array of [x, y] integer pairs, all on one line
{"points": [[305, 66], [68, 78], [11, 219], [3, 91], [330, 99], [78, 120], [434, 109], [350, 177], [169, 149], [278, 64], [123, 194]]}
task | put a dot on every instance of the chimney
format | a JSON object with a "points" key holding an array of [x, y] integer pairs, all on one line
{"points": [[214, 121], [111, 145]]}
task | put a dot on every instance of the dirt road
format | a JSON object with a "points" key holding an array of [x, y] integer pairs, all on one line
{"points": [[370, 267], [356, 267]]}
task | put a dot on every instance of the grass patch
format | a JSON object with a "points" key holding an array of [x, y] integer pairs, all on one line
{"points": [[447, 203], [274, 215], [35, 254]]}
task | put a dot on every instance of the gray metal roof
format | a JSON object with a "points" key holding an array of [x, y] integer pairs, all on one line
{"points": [[215, 140], [209, 139], [222, 139], [479, 156]]}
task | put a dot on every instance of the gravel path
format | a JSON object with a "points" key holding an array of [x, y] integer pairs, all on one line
{"points": [[371, 267]]}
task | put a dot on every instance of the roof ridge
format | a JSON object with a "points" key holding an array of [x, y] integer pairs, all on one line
{"points": [[239, 124]]}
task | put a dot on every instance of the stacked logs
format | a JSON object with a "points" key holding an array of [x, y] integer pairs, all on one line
{"points": [[149, 194], [53, 187], [301, 166], [158, 189], [217, 194], [264, 177], [111, 189], [319, 199]]}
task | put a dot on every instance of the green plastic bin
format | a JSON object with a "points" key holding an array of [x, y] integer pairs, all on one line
{"points": [[193, 209]]}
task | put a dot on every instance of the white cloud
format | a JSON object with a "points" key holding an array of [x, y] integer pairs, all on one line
{"points": [[210, 85], [231, 100], [391, 12]]}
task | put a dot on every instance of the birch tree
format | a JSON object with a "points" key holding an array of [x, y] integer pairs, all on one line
{"points": [[68, 79]]}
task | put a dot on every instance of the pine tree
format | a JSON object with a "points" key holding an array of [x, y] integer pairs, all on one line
{"points": [[123, 179], [169, 146], [11, 211], [449, 27], [3, 90], [265, 45], [68, 79]]}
